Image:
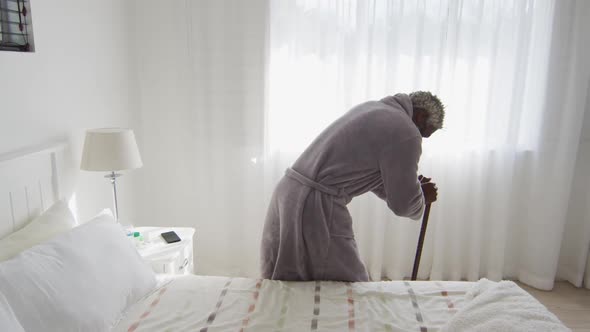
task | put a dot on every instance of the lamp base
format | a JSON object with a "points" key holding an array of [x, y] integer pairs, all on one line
{"points": [[113, 177]]}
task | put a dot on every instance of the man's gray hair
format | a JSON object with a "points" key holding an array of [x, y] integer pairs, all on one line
{"points": [[432, 105]]}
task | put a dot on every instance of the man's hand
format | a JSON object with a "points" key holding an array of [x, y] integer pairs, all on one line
{"points": [[429, 189], [423, 179]]}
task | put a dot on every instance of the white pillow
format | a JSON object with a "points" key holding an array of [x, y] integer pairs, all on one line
{"points": [[8, 321], [55, 220], [81, 280]]}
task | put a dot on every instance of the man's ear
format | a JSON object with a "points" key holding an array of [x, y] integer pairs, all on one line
{"points": [[420, 116]]}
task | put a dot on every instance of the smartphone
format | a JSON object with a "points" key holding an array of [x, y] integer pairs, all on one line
{"points": [[170, 237]]}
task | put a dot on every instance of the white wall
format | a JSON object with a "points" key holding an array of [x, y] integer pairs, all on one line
{"points": [[77, 78]]}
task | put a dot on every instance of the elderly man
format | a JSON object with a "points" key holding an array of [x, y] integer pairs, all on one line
{"points": [[374, 147]]}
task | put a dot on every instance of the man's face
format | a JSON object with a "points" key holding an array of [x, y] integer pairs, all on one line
{"points": [[420, 119], [426, 132]]}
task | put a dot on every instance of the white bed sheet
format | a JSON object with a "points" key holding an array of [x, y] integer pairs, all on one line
{"points": [[208, 304], [198, 303]]}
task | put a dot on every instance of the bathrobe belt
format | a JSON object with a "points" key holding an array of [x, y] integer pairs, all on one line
{"points": [[304, 180]]}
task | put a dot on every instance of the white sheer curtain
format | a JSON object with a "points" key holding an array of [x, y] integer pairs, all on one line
{"points": [[505, 158], [231, 91], [200, 125]]}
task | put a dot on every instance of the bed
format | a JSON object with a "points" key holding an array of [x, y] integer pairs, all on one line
{"points": [[90, 278], [204, 303]]}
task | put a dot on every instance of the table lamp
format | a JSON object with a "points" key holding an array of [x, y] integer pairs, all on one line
{"points": [[110, 150]]}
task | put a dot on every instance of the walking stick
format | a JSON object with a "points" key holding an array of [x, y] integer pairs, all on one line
{"points": [[420, 242]]}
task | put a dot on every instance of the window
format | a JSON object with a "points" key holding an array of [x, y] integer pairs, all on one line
{"points": [[16, 31], [485, 60]]}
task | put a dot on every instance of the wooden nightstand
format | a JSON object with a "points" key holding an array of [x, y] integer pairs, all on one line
{"points": [[169, 258]]}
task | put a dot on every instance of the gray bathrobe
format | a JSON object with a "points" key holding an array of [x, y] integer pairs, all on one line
{"points": [[308, 231]]}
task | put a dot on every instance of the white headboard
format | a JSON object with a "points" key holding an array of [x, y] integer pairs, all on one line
{"points": [[29, 184]]}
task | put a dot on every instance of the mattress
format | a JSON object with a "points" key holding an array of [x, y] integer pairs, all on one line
{"points": [[198, 303]]}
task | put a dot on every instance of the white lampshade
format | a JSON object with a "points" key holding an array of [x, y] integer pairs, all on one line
{"points": [[110, 149]]}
